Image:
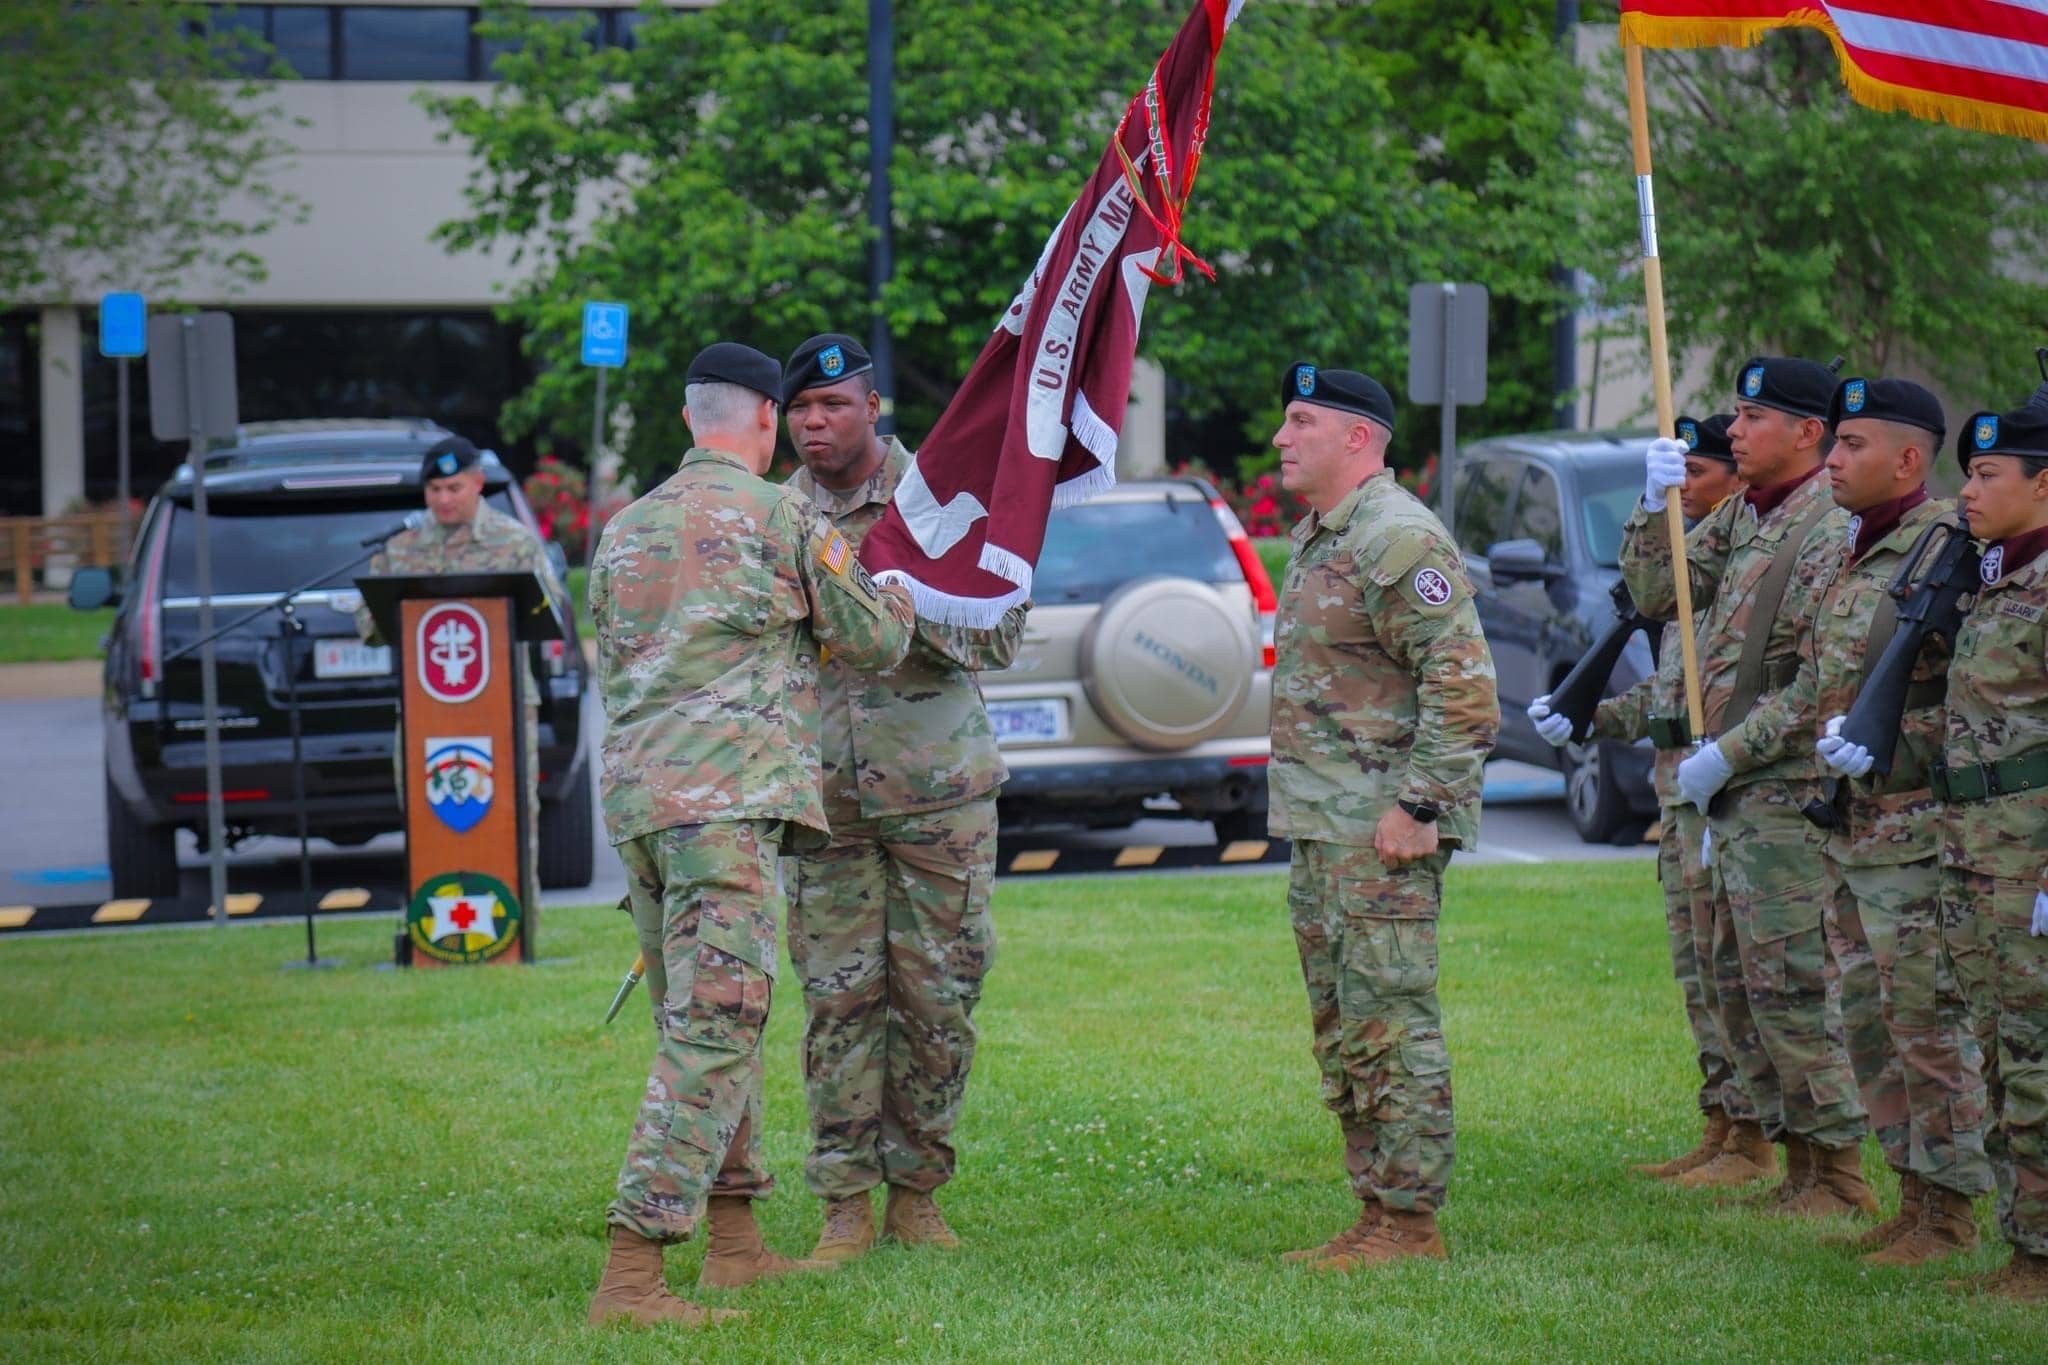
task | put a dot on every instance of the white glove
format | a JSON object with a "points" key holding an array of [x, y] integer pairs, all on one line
{"points": [[1556, 730], [1849, 760], [1703, 774], [1663, 470], [2040, 925]]}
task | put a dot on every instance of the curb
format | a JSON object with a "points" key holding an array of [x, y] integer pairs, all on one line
{"points": [[72, 678]]}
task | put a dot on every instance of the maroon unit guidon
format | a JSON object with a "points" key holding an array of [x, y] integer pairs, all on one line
{"points": [[1034, 425]]}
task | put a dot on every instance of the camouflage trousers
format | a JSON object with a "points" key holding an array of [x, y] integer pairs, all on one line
{"points": [[704, 901], [1778, 1012], [1688, 926], [529, 894], [1903, 1018], [1367, 938], [890, 931], [2003, 970]]}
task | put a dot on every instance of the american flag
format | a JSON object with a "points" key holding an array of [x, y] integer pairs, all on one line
{"points": [[1975, 63]]}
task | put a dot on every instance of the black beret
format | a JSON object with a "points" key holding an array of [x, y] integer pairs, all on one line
{"points": [[1888, 400], [449, 456], [1803, 388], [1707, 436], [728, 362], [2023, 431], [825, 359], [1344, 390]]}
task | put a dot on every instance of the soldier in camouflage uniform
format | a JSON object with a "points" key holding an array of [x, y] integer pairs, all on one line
{"points": [[1994, 786], [1757, 567], [1383, 713], [464, 534], [1655, 709], [1909, 1038], [889, 924], [713, 596]]}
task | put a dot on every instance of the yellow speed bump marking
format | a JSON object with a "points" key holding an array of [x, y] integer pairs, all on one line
{"points": [[1036, 860], [15, 916], [244, 903], [1139, 855], [120, 912], [1245, 851], [345, 898]]}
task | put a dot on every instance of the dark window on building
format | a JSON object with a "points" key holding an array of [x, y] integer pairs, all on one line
{"points": [[304, 38], [490, 49], [405, 44], [21, 412], [241, 36]]}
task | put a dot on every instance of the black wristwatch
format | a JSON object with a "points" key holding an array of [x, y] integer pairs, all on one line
{"points": [[1419, 812]]}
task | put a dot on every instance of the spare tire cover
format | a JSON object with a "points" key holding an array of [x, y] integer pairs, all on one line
{"points": [[1167, 661]]}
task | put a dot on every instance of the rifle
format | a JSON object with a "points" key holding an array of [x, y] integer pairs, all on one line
{"points": [[1928, 605], [1579, 694]]}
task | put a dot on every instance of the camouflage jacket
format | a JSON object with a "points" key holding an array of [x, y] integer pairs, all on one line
{"points": [[711, 595], [491, 543], [1998, 709], [1730, 552], [1627, 717], [1383, 686], [1892, 819], [915, 737]]}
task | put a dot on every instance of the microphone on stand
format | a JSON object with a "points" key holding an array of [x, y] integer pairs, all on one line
{"points": [[411, 523]]}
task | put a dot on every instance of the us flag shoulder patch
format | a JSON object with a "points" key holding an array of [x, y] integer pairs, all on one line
{"points": [[835, 554]]}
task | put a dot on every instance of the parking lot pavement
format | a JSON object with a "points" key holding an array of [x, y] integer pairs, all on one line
{"points": [[53, 850]]}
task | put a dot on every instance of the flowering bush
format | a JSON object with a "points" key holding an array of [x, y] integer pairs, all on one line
{"points": [[560, 497]]}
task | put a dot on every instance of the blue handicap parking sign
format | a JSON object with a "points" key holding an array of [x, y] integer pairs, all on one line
{"points": [[604, 334], [124, 327]]}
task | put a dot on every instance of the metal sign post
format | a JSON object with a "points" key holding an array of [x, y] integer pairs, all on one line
{"points": [[192, 394], [1447, 366], [604, 347], [124, 334]]}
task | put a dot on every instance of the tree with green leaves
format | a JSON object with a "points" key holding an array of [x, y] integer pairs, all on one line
{"points": [[714, 177], [1795, 221], [132, 154]]}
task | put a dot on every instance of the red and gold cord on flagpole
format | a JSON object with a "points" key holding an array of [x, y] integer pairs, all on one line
{"points": [[1660, 372]]}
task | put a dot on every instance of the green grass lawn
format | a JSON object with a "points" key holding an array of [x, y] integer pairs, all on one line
{"points": [[203, 1157], [50, 631]]}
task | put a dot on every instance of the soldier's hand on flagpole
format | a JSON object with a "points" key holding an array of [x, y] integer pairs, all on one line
{"points": [[1702, 775], [1556, 730], [1845, 758], [1663, 470]]}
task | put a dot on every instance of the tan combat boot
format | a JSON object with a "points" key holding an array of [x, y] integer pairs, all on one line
{"points": [[1947, 1225], [1368, 1220], [632, 1287], [2024, 1278], [912, 1217], [736, 1256], [849, 1230], [1912, 1191], [1838, 1185], [1398, 1237], [1712, 1139], [1798, 1179], [1746, 1156]]}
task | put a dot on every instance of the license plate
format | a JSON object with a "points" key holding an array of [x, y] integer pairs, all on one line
{"points": [[1028, 721], [350, 659]]}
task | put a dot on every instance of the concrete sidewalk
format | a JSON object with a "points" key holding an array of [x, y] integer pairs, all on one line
{"points": [[50, 681]]}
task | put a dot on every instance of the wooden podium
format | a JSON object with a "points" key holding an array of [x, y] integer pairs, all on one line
{"points": [[462, 750]]}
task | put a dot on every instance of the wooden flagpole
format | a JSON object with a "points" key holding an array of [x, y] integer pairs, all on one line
{"points": [[1660, 371]]}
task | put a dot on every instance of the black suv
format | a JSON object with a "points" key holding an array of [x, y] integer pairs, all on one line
{"points": [[1539, 520], [284, 501]]}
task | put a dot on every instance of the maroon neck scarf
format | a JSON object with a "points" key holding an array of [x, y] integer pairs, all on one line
{"points": [[1764, 501], [1873, 524]]}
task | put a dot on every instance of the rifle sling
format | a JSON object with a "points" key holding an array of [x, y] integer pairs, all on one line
{"points": [[1770, 595]]}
